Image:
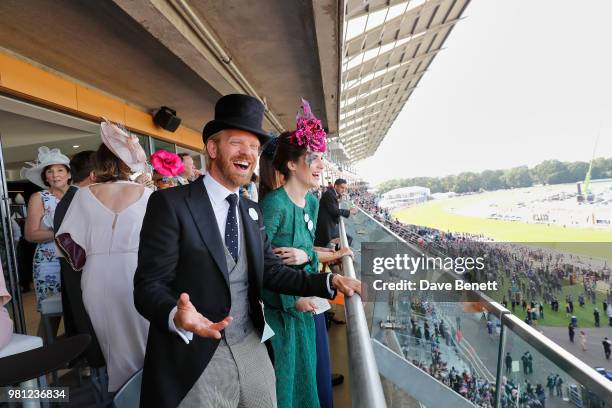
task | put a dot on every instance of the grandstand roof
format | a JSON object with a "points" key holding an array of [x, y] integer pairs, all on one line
{"points": [[406, 191], [387, 47]]}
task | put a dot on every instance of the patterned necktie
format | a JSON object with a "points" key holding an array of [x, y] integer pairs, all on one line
{"points": [[231, 227]]}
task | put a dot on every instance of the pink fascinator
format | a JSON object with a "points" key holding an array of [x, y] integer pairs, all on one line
{"points": [[124, 145], [309, 131], [167, 164]]}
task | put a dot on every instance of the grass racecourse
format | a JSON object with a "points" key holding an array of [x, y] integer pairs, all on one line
{"points": [[594, 243]]}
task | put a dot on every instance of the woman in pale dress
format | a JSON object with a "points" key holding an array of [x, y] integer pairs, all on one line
{"points": [[104, 220], [51, 172]]}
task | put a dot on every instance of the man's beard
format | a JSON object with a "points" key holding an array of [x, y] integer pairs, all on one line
{"points": [[229, 171]]}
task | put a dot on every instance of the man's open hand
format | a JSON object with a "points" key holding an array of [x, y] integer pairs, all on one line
{"points": [[188, 318]]}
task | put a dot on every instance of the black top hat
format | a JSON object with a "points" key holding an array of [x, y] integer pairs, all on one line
{"points": [[236, 111]]}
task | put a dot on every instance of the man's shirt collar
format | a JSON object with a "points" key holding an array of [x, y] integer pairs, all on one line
{"points": [[216, 191]]}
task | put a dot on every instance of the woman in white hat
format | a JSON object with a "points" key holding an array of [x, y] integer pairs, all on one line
{"points": [[51, 172]]}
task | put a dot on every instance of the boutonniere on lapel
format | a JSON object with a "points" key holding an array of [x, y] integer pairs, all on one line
{"points": [[253, 214]]}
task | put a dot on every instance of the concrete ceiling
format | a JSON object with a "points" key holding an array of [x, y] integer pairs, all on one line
{"points": [[153, 52], [274, 44], [21, 137], [98, 44]]}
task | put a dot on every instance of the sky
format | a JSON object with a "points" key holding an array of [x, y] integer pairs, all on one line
{"points": [[519, 82]]}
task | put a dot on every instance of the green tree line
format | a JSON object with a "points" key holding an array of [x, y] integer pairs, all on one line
{"points": [[547, 172]]}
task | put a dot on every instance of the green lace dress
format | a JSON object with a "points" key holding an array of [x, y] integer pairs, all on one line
{"points": [[295, 354]]}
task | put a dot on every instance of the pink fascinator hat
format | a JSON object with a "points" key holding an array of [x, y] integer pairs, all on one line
{"points": [[167, 164], [309, 132], [124, 145]]}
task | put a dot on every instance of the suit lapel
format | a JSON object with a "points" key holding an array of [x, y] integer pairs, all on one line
{"points": [[202, 212], [252, 238]]}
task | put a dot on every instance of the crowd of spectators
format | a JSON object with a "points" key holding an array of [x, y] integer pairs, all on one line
{"points": [[430, 331], [480, 392], [533, 276]]}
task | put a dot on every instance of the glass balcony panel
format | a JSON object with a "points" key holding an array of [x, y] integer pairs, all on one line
{"points": [[462, 345]]}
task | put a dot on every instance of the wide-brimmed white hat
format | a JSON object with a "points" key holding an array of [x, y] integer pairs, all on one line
{"points": [[46, 157]]}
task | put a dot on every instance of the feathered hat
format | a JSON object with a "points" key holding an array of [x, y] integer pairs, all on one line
{"points": [[124, 145], [309, 132], [46, 157]]}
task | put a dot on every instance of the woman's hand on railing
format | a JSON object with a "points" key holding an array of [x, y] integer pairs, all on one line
{"points": [[339, 254], [332, 257], [344, 252], [335, 241]]}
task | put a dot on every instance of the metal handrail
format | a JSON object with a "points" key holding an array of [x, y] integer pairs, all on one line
{"points": [[577, 369], [366, 387]]}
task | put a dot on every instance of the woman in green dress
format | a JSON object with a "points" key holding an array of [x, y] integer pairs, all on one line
{"points": [[290, 216]]}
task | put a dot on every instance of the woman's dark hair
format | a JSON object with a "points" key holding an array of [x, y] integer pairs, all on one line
{"points": [[109, 167], [286, 152], [43, 174], [274, 159], [267, 176]]}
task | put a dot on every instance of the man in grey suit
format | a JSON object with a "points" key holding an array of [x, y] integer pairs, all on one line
{"points": [[203, 261]]}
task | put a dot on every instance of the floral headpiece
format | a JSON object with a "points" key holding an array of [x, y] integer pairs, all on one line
{"points": [[309, 131], [124, 145], [167, 163]]}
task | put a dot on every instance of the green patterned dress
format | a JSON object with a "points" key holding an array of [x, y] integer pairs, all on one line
{"points": [[295, 354]]}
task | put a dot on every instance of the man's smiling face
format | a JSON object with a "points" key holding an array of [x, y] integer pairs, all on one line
{"points": [[234, 156]]}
